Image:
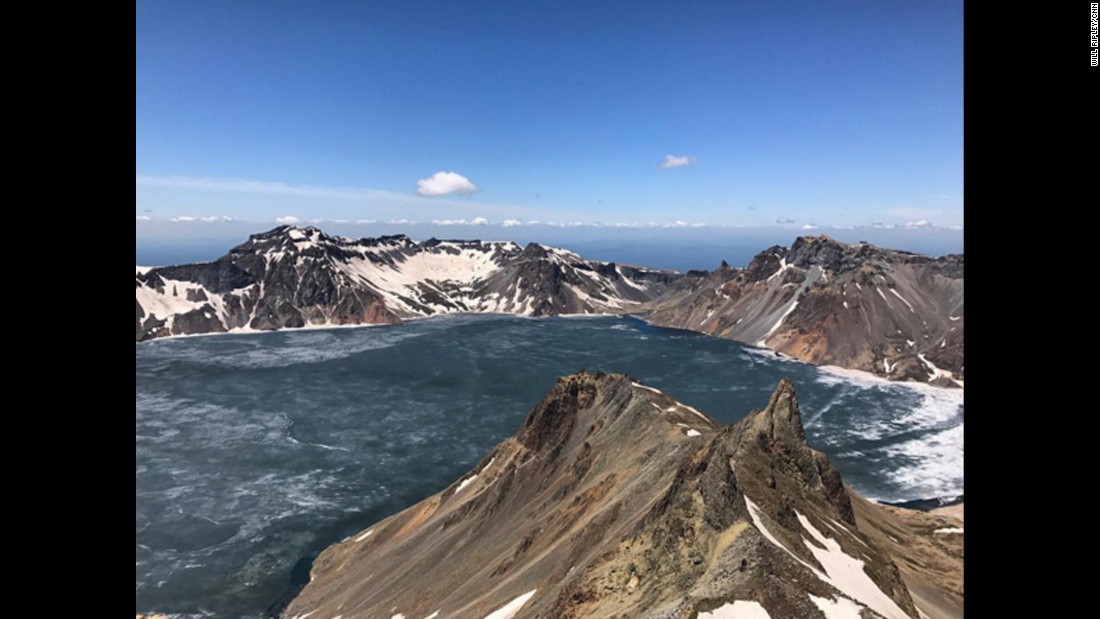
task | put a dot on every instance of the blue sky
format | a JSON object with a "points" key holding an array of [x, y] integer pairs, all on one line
{"points": [[764, 114]]}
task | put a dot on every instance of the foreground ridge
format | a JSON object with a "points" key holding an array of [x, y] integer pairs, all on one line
{"points": [[614, 499]]}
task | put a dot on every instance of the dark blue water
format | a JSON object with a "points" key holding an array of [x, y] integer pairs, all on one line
{"points": [[254, 451]]}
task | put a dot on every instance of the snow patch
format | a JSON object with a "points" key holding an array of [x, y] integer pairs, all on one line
{"points": [[464, 483], [364, 536], [903, 300], [787, 312], [783, 266], [626, 280], [949, 530], [511, 609], [846, 573], [754, 513], [841, 570], [841, 608], [689, 408], [709, 314], [687, 429], [646, 388], [739, 609], [935, 372]]}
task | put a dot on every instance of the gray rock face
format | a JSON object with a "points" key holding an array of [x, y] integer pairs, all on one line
{"points": [[893, 313], [294, 277], [615, 500]]}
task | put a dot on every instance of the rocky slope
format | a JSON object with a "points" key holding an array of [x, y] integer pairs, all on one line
{"points": [[893, 313], [293, 277], [615, 500]]}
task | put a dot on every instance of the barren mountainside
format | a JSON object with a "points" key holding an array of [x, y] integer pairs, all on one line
{"points": [[893, 313], [615, 500]]}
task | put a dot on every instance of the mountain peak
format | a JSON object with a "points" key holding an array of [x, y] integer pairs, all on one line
{"points": [[534, 250], [614, 499], [781, 418], [552, 420]]}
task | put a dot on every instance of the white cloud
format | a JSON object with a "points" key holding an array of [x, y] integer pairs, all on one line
{"points": [[366, 199], [784, 220], [287, 220], [920, 223], [317, 221], [192, 219], [611, 224], [339, 221], [143, 218], [476, 221], [403, 222], [365, 221], [508, 223], [809, 227], [672, 161], [445, 183]]}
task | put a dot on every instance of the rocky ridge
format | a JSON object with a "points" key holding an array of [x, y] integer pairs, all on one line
{"points": [[615, 500], [293, 277], [892, 313], [896, 314]]}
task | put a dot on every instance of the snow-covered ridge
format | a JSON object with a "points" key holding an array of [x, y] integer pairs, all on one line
{"points": [[293, 277]]}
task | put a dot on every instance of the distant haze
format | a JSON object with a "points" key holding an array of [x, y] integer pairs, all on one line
{"points": [[667, 248]]}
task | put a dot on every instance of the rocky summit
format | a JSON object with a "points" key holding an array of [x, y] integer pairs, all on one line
{"points": [[613, 499], [896, 314]]}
